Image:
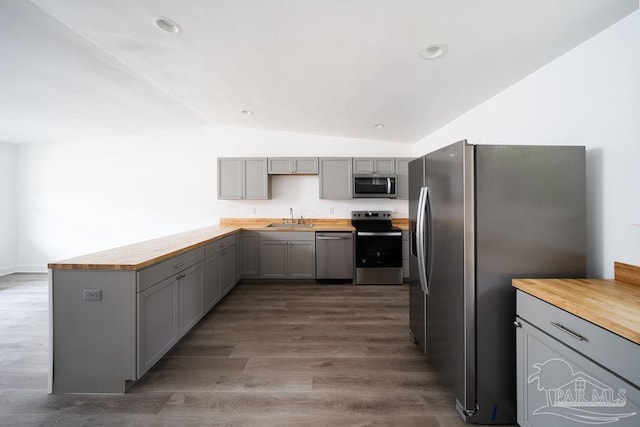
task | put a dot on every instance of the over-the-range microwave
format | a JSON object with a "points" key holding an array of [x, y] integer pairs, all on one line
{"points": [[375, 186]]}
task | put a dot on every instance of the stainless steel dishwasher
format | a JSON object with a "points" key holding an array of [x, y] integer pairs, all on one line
{"points": [[334, 257]]}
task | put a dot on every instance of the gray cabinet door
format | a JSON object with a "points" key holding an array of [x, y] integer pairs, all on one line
{"points": [[238, 257], [363, 165], [249, 253], [230, 178], [405, 254], [256, 179], [301, 259], [335, 178], [157, 323], [190, 297], [212, 281], [374, 165], [402, 173], [281, 165], [228, 269], [243, 178], [557, 386], [273, 259], [293, 165], [305, 165]]}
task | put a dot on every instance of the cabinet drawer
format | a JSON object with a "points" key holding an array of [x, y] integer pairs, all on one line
{"points": [[220, 244], [613, 352], [154, 274], [287, 235]]}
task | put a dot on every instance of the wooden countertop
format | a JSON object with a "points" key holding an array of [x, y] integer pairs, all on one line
{"points": [[144, 254], [613, 304]]}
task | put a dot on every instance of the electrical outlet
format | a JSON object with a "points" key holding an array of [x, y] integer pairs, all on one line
{"points": [[331, 211], [253, 211], [92, 295]]}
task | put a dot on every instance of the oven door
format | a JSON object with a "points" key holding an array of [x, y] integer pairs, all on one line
{"points": [[378, 249]]}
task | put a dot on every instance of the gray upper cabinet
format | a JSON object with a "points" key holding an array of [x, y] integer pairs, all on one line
{"points": [[402, 172], [293, 165], [374, 165], [335, 178], [243, 178]]}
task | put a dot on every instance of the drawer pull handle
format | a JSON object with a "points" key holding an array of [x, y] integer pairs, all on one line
{"points": [[179, 265], [569, 331]]}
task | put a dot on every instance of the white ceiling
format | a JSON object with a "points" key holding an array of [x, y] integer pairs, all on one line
{"points": [[84, 68]]}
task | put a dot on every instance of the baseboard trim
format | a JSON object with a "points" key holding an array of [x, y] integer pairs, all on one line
{"points": [[4, 271]]}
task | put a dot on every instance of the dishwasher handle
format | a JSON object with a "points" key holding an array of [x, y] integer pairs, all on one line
{"points": [[332, 238]]}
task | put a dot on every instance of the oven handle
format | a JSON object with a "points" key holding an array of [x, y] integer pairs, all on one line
{"points": [[379, 233]]}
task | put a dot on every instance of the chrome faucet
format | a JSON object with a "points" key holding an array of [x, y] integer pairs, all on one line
{"points": [[291, 214]]}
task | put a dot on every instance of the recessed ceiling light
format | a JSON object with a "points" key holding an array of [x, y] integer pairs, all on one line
{"points": [[167, 25], [378, 125], [247, 112], [433, 51]]}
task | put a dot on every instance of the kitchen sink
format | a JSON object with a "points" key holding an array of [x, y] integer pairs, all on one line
{"points": [[289, 225]]}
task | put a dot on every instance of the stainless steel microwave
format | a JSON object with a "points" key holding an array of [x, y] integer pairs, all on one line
{"points": [[375, 186]]}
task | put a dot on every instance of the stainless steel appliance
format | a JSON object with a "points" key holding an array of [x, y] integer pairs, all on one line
{"points": [[378, 248], [334, 257], [481, 215], [375, 186]]}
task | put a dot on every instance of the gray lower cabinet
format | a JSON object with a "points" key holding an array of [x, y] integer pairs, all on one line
{"points": [[243, 178], [249, 250], [239, 253], [405, 254], [166, 311], [336, 178], [157, 323], [228, 262], [221, 263], [287, 255], [301, 259], [212, 280], [190, 298], [571, 372]]}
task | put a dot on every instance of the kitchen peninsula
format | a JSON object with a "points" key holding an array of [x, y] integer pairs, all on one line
{"points": [[115, 313]]}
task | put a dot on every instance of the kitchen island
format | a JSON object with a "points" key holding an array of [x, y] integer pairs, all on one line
{"points": [[115, 313], [578, 347]]}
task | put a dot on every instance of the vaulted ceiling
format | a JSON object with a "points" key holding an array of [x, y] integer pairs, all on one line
{"points": [[84, 68]]}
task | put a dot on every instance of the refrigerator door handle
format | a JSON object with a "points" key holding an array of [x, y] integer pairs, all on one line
{"points": [[429, 233], [420, 238]]}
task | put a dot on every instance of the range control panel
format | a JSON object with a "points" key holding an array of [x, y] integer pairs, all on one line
{"points": [[364, 215]]}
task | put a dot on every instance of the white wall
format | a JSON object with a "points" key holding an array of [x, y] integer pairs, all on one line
{"points": [[591, 97], [80, 197], [7, 208]]}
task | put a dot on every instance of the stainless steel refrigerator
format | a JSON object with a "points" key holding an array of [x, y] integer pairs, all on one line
{"points": [[481, 215]]}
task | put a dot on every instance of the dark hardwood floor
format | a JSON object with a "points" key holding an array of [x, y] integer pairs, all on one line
{"points": [[268, 354]]}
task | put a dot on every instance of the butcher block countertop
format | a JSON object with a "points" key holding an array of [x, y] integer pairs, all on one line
{"points": [[613, 304], [144, 254]]}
